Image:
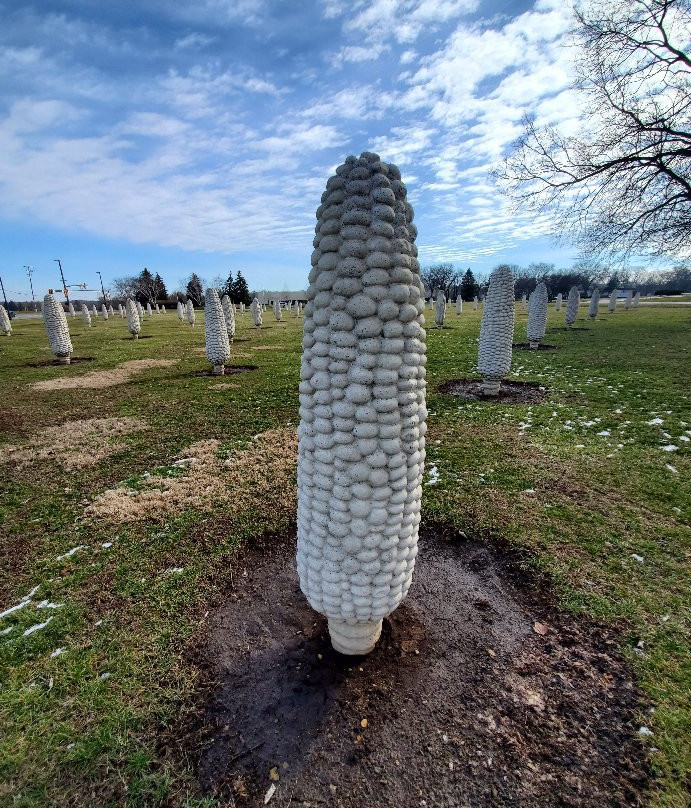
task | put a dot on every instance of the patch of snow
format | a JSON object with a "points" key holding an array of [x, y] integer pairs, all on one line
{"points": [[604, 433], [105, 675], [637, 558], [36, 627], [46, 604], [671, 468], [645, 732], [15, 608], [6, 631], [175, 570], [71, 552], [107, 544], [57, 652], [655, 422], [433, 476], [670, 447]]}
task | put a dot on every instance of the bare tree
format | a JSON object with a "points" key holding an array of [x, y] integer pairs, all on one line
{"points": [[440, 277], [622, 186]]}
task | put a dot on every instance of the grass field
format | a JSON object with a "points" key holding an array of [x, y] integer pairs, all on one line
{"points": [[121, 505]]}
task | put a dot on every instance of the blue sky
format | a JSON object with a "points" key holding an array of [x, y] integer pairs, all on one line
{"points": [[199, 136]]}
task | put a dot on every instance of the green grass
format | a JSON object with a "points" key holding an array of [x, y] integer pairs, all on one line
{"points": [[98, 724]]}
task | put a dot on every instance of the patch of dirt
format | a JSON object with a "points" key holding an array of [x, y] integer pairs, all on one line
{"points": [[479, 694], [525, 346], [74, 444], [509, 393], [269, 348], [230, 370], [103, 378], [74, 360], [141, 336], [261, 476]]}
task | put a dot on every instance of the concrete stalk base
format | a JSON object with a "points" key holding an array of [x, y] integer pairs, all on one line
{"points": [[64, 360], [354, 638], [534, 345], [218, 370], [490, 387]]}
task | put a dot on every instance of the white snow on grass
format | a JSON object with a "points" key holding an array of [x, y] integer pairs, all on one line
{"points": [[71, 552], [15, 608], [605, 433], [433, 476], [637, 558], [655, 422], [6, 631], [57, 652], [671, 468], [670, 447], [36, 627]]}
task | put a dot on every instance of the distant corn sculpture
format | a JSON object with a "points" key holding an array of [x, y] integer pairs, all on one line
{"points": [[277, 311], [182, 314], [121, 310], [5, 322], [85, 315], [148, 310], [57, 328], [496, 330], [216, 332], [557, 302], [459, 305], [191, 317], [636, 300], [110, 310], [256, 312], [572, 304], [94, 311], [440, 310], [133, 323], [71, 310], [613, 295], [628, 299], [362, 414], [229, 315], [537, 315], [475, 303], [594, 303], [104, 311]]}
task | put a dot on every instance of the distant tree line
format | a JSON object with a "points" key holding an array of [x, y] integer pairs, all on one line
{"points": [[149, 288]]}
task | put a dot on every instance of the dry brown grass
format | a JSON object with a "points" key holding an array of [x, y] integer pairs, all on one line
{"points": [[74, 444], [103, 378], [224, 386], [261, 476]]}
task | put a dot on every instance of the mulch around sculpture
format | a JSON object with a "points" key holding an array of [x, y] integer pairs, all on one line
{"points": [[230, 370], [510, 392], [479, 693], [525, 346], [74, 360]]}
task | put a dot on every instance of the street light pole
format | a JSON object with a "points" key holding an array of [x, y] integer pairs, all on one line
{"points": [[103, 291], [65, 291]]}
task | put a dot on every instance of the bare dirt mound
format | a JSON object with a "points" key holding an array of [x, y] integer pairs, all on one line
{"points": [[74, 360], [103, 378], [478, 694], [509, 392]]}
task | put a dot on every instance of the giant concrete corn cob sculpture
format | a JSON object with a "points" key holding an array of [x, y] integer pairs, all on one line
{"points": [[459, 305], [121, 310], [148, 310], [85, 315], [71, 310], [628, 299], [181, 312], [229, 315], [475, 303], [594, 303], [613, 295], [256, 312], [636, 300], [362, 395], [496, 332], [572, 306], [104, 311], [133, 323], [110, 310], [216, 332], [94, 311], [277, 310], [537, 315], [440, 310], [557, 304], [5, 322], [56, 328], [191, 317]]}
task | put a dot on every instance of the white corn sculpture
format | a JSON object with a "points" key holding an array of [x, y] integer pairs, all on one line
{"points": [[5, 322], [256, 312], [572, 306], [628, 299], [475, 303], [524, 303], [110, 310], [613, 295], [181, 312], [104, 311], [56, 328], [148, 310], [94, 312], [496, 331], [229, 314], [537, 315], [191, 317], [133, 323], [459, 305], [242, 308], [216, 332], [557, 304], [85, 315], [594, 304], [299, 310], [636, 300], [440, 310], [277, 310], [71, 310], [363, 416], [121, 310], [140, 310]]}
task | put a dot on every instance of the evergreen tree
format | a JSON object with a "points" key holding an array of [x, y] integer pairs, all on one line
{"points": [[161, 293], [146, 287], [240, 292], [228, 288], [469, 286], [194, 289]]}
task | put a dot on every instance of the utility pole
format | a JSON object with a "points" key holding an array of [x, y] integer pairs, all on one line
{"points": [[30, 272], [65, 290]]}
